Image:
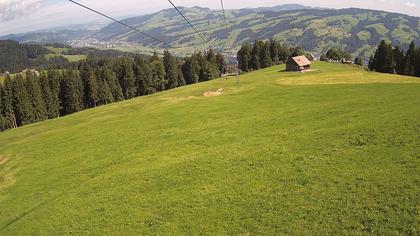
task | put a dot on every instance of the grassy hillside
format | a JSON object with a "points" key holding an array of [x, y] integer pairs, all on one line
{"points": [[359, 31], [334, 151]]}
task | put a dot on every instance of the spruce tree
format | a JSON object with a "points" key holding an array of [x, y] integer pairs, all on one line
{"points": [[265, 57], [7, 101], [90, 85], [256, 55], [221, 63], [3, 122], [21, 102], [383, 61], [359, 61], [114, 85], [244, 57], [399, 60], [409, 60], [104, 92], [144, 80], [54, 80], [417, 63], [158, 75], [125, 75], [275, 51], [284, 54], [71, 93], [171, 70], [33, 87]]}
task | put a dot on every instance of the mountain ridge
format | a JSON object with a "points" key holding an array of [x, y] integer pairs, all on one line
{"points": [[356, 30]]}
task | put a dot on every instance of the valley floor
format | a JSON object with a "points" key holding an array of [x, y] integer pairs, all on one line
{"points": [[334, 151]]}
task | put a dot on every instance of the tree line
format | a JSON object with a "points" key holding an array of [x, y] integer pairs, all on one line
{"points": [[97, 81], [263, 54], [389, 59]]}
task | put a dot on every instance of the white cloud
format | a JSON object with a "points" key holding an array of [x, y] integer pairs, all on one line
{"points": [[411, 4], [13, 9]]}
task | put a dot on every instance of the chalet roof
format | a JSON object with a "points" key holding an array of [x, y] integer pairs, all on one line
{"points": [[301, 61]]}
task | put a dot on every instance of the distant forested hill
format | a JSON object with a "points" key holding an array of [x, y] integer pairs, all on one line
{"points": [[15, 57], [357, 31]]}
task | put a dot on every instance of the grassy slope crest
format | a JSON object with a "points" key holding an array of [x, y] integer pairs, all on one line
{"points": [[334, 151]]}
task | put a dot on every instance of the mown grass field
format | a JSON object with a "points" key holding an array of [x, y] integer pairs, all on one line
{"points": [[334, 151]]}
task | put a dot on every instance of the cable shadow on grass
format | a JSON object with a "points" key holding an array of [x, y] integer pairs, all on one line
{"points": [[31, 210]]}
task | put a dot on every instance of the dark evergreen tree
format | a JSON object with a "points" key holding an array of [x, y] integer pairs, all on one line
{"points": [[409, 60], [90, 85], [54, 80], [359, 61], [265, 57], [296, 51], [47, 96], [125, 75], [39, 110], [398, 55], [284, 54], [114, 85], [21, 102], [104, 95], [144, 80], [7, 103], [244, 57], [71, 93], [158, 75], [221, 63], [383, 61], [171, 70], [417, 63], [256, 55]]}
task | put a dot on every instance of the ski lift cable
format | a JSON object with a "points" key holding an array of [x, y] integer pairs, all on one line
{"points": [[189, 23], [117, 21]]}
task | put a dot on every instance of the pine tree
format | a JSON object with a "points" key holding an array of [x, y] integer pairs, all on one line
{"points": [[39, 111], [125, 75], [90, 85], [158, 75], [296, 51], [275, 51], [171, 70], [359, 61], [383, 61], [244, 57], [71, 93], [409, 60], [104, 92], [417, 63], [265, 57], [221, 63], [114, 85], [21, 102], [54, 80], [7, 101], [284, 54], [144, 80], [3, 121], [399, 60], [256, 55]]}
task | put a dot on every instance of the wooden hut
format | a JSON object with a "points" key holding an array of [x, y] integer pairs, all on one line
{"points": [[299, 63]]}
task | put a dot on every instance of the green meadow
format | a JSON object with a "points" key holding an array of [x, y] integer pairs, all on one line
{"points": [[334, 151]]}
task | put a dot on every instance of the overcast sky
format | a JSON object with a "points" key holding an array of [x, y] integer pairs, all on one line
{"points": [[17, 16]]}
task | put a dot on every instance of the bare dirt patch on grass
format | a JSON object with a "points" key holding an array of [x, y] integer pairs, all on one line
{"points": [[213, 93], [3, 160]]}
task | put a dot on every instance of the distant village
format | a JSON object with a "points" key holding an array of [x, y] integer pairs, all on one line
{"points": [[94, 43]]}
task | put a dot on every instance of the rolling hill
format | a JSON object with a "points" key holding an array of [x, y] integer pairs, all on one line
{"points": [[331, 152], [357, 30], [316, 30]]}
